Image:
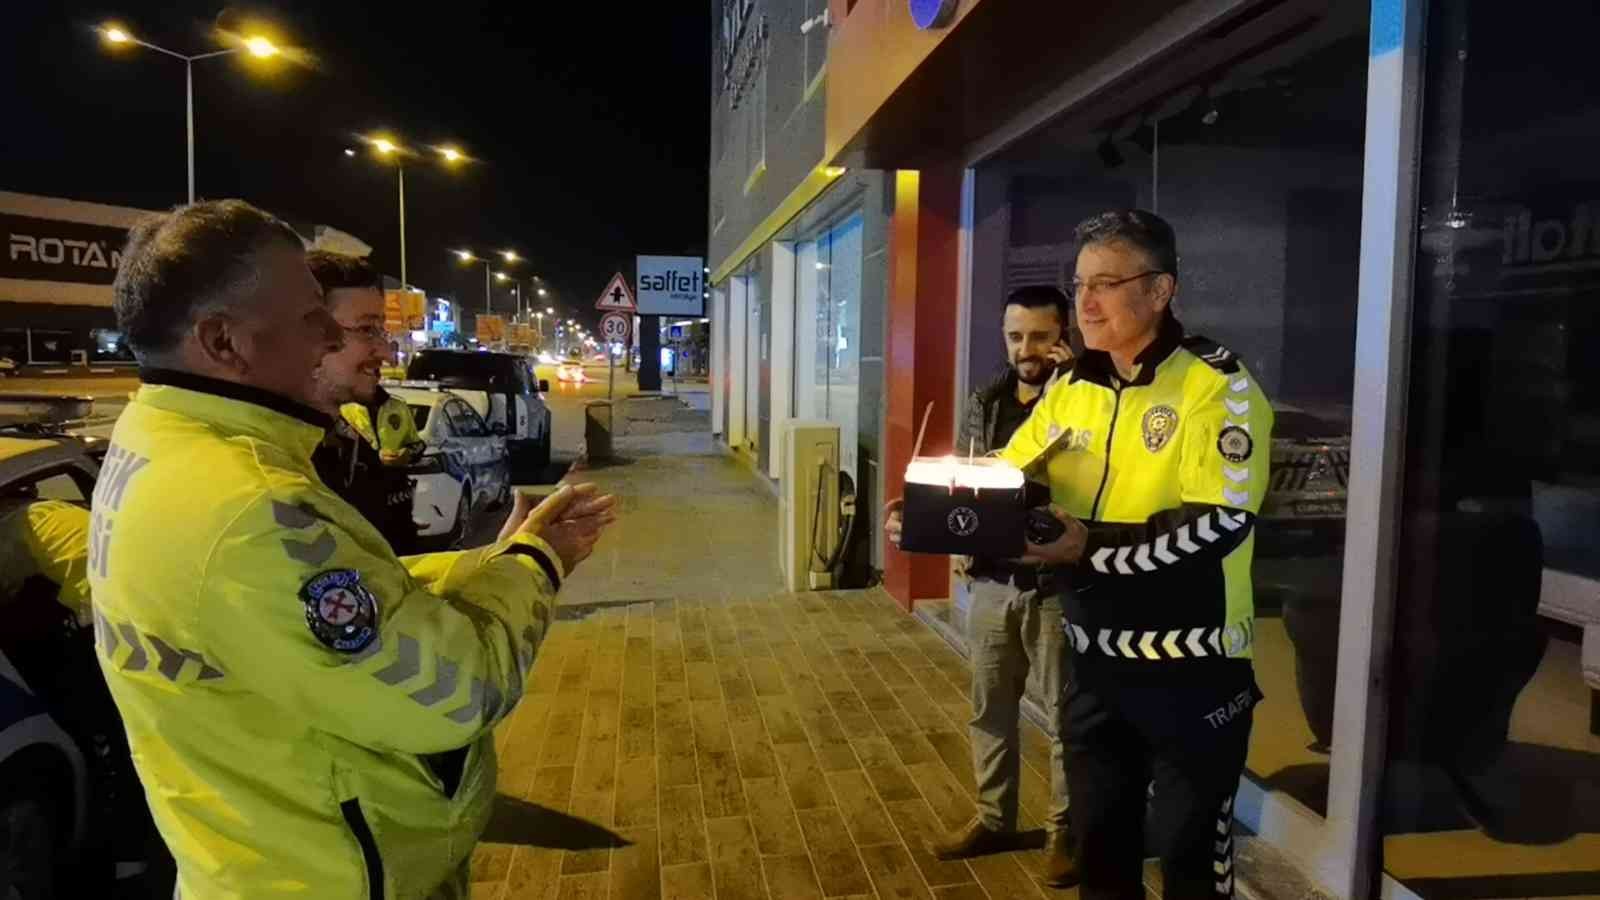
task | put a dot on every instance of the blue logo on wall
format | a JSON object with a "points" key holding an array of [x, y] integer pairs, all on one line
{"points": [[933, 13]]}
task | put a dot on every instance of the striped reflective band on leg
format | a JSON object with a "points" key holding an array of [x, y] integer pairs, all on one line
{"points": [[1222, 855]]}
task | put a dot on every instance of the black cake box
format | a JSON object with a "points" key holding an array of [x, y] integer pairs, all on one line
{"points": [[964, 507]]}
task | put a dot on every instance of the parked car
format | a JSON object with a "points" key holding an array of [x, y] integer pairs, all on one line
{"points": [[503, 389], [1304, 509], [74, 814], [465, 466]]}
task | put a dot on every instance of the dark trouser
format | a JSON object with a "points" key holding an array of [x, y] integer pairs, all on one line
{"points": [[1188, 736]]}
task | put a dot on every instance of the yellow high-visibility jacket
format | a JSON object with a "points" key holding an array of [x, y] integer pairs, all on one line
{"points": [[1168, 472], [310, 715], [48, 538], [396, 428]]}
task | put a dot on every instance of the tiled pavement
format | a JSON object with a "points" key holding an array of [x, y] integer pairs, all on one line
{"points": [[789, 746]]}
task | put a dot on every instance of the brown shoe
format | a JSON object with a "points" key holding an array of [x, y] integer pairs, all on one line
{"points": [[1060, 863], [975, 839]]}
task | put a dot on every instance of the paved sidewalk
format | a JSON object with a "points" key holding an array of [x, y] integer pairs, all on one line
{"points": [[744, 745], [694, 522], [742, 741]]}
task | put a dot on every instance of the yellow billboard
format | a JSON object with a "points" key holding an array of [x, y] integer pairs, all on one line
{"points": [[491, 329], [404, 311]]}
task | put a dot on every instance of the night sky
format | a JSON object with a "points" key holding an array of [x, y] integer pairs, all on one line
{"points": [[588, 121]]}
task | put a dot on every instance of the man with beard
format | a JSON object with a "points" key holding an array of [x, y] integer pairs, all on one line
{"points": [[373, 437], [1014, 621]]}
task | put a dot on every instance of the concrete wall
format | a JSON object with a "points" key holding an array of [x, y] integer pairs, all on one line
{"points": [[761, 151]]}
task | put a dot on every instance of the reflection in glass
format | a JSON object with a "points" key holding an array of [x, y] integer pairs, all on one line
{"points": [[1493, 779], [1259, 169]]}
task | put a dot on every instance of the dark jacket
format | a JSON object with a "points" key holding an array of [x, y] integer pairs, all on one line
{"points": [[352, 468], [983, 416]]}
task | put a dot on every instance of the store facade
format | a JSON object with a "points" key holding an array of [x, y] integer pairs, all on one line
{"points": [[58, 261], [1386, 210], [797, 255]]}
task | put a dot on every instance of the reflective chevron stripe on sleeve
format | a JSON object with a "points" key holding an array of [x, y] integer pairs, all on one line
{"points": [[1166, 550]]}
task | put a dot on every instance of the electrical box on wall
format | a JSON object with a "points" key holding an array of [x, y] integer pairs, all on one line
{"points": [[808, 512]]}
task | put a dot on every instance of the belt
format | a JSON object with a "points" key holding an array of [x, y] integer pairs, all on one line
{"points": [[1162, 644], [1024, 577]]}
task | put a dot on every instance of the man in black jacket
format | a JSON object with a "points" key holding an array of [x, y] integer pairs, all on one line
{"points": [[349, 462], [1014, 619]]}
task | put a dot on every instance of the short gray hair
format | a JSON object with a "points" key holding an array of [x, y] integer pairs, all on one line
{"points": [[179, 263], [1143, 229]]}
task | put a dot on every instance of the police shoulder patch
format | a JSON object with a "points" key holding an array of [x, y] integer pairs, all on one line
{"points": [[394, 421], [1212, 353], [1235, 444], [340, 611]]}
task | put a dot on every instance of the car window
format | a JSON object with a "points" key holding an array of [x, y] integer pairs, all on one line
{"points": [[66, 484], [466, 421], [420, 414], [440, 366]]}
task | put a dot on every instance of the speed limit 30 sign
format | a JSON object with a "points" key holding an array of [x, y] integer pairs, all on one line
{"points": [[615, 326]]}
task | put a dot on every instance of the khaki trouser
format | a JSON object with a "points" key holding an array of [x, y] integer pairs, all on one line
{"points": [[1011, 632]]}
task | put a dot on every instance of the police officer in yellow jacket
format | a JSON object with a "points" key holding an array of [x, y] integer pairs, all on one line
{"points": [[396, 436], [1156, 450], [310, 715], [374, 436], [48, 539]]}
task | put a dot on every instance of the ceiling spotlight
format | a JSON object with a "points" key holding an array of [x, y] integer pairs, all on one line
{"points": [[349, 152], [1211, 116]]}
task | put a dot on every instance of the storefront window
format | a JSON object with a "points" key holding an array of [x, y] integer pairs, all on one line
{"points": [[109, 346], [1258, 168], [828, 333], [52, 347], [14, 345], [1493, 780]]}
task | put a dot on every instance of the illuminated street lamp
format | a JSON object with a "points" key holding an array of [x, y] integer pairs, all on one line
{"points": [[467, 256], [388, 148], [256, 45]]}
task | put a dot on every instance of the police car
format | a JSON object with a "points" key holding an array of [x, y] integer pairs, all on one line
{"points": [[49, 680], [502, 388], [465, 466], [1304, 507]]}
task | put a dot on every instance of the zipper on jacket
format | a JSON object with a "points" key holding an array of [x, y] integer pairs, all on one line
{"points": [[357, 820], [1105, 472]]}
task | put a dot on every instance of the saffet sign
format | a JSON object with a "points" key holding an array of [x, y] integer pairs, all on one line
{"points": [[670, 286]]}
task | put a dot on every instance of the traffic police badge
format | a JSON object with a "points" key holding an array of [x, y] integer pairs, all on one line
{"points": [[340, 611], [1159, 425], [394, 421], [1235, 444]]}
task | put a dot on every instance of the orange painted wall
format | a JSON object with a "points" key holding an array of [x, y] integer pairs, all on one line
{"points": [[871, 53]]}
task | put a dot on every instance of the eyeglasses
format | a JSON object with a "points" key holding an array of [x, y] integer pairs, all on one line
{"points": [[371, 333], [1101, 285]]}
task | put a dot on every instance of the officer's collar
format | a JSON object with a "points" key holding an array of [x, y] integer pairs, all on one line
{"points": [[1096, 366], [236, 409], [232, 390]]}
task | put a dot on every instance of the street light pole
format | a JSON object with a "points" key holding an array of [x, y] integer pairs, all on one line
{"points": [[400, 168], [258, 46], [188, 95]]}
